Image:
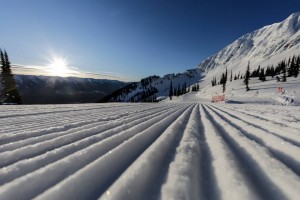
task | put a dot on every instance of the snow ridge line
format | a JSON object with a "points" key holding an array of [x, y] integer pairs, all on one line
{"points": [[27, 138], [184, 179], [286, 134], [284, 151], [30, 151], [266, 172], [275, 118], [25, 166], [141, 175], [226, 170], [31, 122], [101, 173], [37, 111], [57, 171]]}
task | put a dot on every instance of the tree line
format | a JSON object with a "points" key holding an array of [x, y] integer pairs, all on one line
{"points": [[9, 93], [283, 70], [181, 89]]}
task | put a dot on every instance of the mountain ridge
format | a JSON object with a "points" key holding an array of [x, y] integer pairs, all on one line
{"points": [[54, 89], [266, 46], [258, 47]]}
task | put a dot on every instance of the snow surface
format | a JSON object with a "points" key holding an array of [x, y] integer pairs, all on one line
{"points": [[150, 151], [265, 47]]}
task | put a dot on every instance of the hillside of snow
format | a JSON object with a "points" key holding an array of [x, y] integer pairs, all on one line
{"points": [[154, 86], [259, 93], [150, 151], [266, 46]]}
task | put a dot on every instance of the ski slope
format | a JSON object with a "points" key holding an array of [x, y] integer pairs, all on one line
{"points": [[150, 151]]}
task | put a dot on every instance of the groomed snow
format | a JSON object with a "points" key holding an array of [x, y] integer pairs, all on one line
{"points": [[150, 151]]}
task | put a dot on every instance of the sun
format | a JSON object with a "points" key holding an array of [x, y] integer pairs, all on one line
{"points": [[58, 67]]}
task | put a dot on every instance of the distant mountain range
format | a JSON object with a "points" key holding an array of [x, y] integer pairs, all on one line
{"points": [[54, 90], [266, 46]]}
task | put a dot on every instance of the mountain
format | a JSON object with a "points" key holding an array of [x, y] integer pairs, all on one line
{"points": [[53, 90], [266, 46], [153, 86]]}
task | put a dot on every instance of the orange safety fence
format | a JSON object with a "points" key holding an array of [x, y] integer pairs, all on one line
{"points": [[218, 98]]}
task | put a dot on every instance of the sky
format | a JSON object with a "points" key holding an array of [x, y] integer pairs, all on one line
{"points": [[127, 39]]}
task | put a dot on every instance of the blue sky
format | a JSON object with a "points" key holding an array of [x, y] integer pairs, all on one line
{"points": [[129, 39]]}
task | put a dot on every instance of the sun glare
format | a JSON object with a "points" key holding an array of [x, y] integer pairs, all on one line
{"points": [[58, 67]]}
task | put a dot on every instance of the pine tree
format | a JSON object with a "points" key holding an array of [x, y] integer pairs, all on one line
{"points": [[231, 76], [258, 71], [224, 82], [247, 77], [291, 67], [272, 71], [283, 69], [10, 93], [178, 90], [2, 61], [262, 76], [297, 67], [171, 91]]}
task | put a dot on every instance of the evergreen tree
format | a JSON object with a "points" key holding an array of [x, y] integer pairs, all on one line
{"points": [[297, 67], [178, 90], [247, 77], [291, 68], [2, 61], [231, 76], [10, 93], [272, 71], [171, 91], [262, 76], [258, 71], [224, 82], [283, 69]]}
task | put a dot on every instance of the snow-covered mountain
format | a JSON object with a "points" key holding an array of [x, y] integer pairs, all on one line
{"points": [[154, 86], [266, 46], [50, 89]]}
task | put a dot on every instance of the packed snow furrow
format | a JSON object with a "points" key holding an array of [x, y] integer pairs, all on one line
{"points": [[145, 176], [272, 179], [28, 165], [78, 163], [270, 117], [43, 110], [228, 179], [284, 151], [67, 137], [93, 116], [52, 119], [285, 133], [29, 137], [184, 179]]}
